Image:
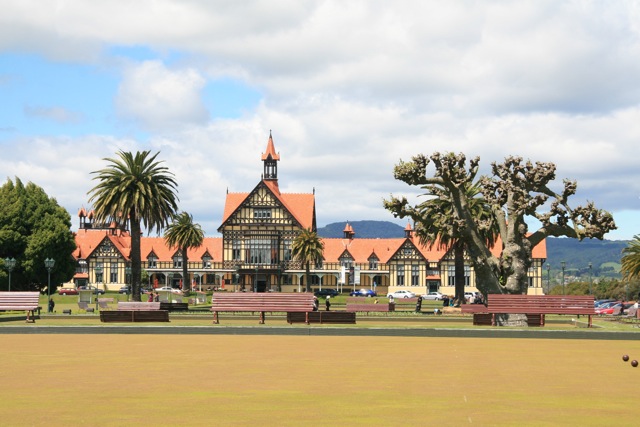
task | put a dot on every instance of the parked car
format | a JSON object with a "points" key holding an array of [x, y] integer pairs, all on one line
{"points": [[326, 292], [169, 288], [124, 290], [433, 295], [470, 296], [93, 288], [363, 293], [67, 291], [401, 294]]}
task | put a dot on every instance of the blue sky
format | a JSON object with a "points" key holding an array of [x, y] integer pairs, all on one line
{"points": [[348, 89]]}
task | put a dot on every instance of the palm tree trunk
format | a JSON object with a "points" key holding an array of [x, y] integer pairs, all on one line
{"points": [[186, 284], [307, 285], [136, 267]]}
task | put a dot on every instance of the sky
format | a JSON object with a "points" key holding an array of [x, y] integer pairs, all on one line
{"points": [[347, 88]]}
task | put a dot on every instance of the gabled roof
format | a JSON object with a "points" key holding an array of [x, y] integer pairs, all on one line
{"points": [[157, 245], [300, 206], [88, 240], [360, 249]]}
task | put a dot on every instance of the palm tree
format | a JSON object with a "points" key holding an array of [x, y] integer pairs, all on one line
{"points": [[138, 189], [184, 234], [631, 259], [307, 247], [439, 226]]}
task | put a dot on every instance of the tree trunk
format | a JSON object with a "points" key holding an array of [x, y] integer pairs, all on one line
{"points": [[186, 284], [136, 267], [458, 253], [307, 271]]}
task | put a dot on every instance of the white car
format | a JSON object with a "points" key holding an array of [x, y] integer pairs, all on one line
{"points": [[470, 296], [401, 294], [433, 295], [168, 288]]}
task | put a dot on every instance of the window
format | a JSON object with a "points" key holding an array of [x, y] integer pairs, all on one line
{"points": [[400, 276], [261, 213], [415, 275], [373, 263], [451, 276], [152, 261], [346, 261], [177, 260], [113, 273], [262, 250], [236, 250], [206, 261], [286, 247], [82, 266]]}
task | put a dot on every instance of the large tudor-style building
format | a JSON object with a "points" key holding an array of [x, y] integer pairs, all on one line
{"points": [[254, 252]]}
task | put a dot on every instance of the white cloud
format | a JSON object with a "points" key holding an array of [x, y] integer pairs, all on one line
{"points": [[159, 98], [349, 89]]}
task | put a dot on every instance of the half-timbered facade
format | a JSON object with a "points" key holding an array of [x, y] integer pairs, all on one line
{"points": [[254, 252]]}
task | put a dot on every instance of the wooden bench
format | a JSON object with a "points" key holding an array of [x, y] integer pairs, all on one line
{"points": [[481, 316], [321, 317], [135, 312], [261, 302], [174, 306], [537, 306], [85, 306], [405, 304], [20, 301], [357, 308], [104, 302]]}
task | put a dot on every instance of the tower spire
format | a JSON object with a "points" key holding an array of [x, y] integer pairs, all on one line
{"points": [[270, 159]]}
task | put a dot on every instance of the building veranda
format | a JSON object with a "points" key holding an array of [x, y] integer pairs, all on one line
{"points": [[255, 251]]}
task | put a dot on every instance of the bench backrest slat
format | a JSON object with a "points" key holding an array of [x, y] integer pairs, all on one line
{"points": [[138, 306], [252, 301], [19, 300], [542, 304]]}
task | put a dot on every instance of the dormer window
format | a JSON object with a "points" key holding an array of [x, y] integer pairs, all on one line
{"points": [[373, 262], [206, 261], [177, 260], [152, 261]]}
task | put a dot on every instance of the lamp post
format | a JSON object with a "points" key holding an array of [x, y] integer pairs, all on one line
{"points": [[255, 281], [236, 277], [564, 264], [98, 272], [590, 278], [548, 277], [49, 263], [10, 263]]}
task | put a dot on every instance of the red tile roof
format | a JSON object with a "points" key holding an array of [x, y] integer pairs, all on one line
{"points": [[301, 206]]}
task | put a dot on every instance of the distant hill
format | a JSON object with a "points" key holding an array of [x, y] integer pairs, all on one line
{"points": [[604, 255], [363, 230]]}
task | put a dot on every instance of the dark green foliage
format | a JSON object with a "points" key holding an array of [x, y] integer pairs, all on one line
{"points": [[34, 227]]}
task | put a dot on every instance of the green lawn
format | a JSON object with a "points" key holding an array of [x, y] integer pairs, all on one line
{"points": [[228, 380]]}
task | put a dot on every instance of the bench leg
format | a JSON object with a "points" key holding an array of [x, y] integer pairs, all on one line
{"points": [[261, 318], [306, 318], [542, 320], [215, 318]]}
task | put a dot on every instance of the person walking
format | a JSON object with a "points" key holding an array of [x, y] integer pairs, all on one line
{"points": [[327, 303]]}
